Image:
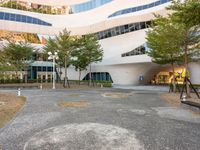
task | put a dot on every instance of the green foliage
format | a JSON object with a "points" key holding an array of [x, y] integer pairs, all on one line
{"points": [[18, 56], [165, 41], [94, 53], [63, 43], [176, 35], [176, 38], [187, 13], [14, 5], [85, 48], [87, 51]]}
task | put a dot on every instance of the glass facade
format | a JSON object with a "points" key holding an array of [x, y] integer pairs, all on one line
{"points": [[123, 29], [137, 51], [99, 76], [88, 5], [22, 18], [138, 8]]}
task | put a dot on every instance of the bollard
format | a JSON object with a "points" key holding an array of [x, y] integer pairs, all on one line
{"points": [[41, 86], [19, 92], [101, 85], [184, 98]]}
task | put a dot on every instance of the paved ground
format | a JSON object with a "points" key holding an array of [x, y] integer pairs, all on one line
{"points": [[163, 88], [116, 119]]}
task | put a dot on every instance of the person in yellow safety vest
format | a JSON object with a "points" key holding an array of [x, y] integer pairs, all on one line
{"points": [[183, 75], [177, 75]]}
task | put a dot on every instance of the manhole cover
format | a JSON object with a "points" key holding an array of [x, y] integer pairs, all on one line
{"points": [[87, 136]]}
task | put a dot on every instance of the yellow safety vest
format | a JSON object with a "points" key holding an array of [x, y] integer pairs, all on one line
{"points": [[183, 75]]}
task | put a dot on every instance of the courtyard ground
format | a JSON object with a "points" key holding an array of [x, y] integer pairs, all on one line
{"points": [[10, 104], [101, 119]]}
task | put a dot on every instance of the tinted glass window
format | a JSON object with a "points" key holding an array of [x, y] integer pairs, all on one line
{"points": [[22, 18], [138, 8], [123, 29], [6, 16], [1, 15], [18, 17]]}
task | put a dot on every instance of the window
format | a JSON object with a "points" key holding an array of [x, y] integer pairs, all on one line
{"points": [[1, 15], [151, 5], [22, 18], [44, 69], [137, 26], [142, 24], [35, 21], [131, 27], [6, 16], [99, 76], [137, 51], [113, 33], [157, 3], [29, 19], [89, 5], [123, 29], [117, 30], [12, 17], [145, 7], [18, 17], [138, 8]]}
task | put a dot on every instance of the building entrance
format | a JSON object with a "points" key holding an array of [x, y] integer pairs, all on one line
{"points": [[166, 77]]}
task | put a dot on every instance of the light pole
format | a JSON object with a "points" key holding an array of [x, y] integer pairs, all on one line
{"points": [[53, 57]]}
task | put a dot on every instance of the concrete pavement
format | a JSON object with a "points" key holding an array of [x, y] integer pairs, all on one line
{"points": [[129, 120]]}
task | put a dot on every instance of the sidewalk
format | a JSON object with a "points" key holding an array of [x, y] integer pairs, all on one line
{"points": [[159, 88]]}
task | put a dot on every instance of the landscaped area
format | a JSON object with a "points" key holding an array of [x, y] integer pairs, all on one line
{"points": [[10, 104]]}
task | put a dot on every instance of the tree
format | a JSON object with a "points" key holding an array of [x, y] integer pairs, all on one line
{"points": [[18, 55], [93, 52], [4, 63], [64, 44], [165, 41], [187, 14], [80, 62]]}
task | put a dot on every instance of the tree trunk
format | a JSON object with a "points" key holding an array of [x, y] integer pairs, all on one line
{"points": [[90, 76], [186, 64], [173, 82], [26, 75], [65, 78], [79, 78]]}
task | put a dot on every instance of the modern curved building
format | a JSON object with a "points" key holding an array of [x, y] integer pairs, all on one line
{"points": [[120, 25]]}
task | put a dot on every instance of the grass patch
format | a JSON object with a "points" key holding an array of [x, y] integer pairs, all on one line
{"points": [[65, 104], [10, 105]]}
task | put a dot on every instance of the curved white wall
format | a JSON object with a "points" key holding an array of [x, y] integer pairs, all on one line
{"points": [[195, 72], [114, 46], [91, 21]]}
